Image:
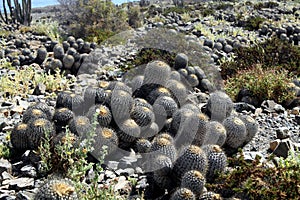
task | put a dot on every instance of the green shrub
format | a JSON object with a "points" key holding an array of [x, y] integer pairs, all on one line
{"points": [[256, 180], [92, 19], [176, 9], [262, 83], [253, 23], [272, 53]]}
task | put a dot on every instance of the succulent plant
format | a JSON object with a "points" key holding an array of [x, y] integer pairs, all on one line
{"points": [[57, 189], [194, 181], [61, 117], [164, 106], [164, 146], [104, 137], [103, 114], [156, 93], [142, 102], [80, 126], [216, 133], [37, 129], [183, 194], [33, 113], [19, 136], [43, 107], [178, 91], [143, 145], [58, 51], [41, 55], [210, 196], [219, 106], [68, 61], [181, 61], [217, 161], [117, 85], [129, 131], [137, 82], [150, 130], [121, 105], [192, 80], [190, 158], [143, 116], [251, 127], [162, 174], [179, 117], [236, 132], [157, 72]]}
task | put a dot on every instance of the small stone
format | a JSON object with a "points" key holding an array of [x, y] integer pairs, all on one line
{"points": [[251, 155], [274, 144], [40, 89], [29, 171], [6, 176], [5, 165], [295, 111], [122, 184], [24, 195], [19, 183], [283, 148], [282, 133]]}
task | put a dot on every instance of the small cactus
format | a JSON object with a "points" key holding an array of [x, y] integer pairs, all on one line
{"points": [[236, 132], [183, 194], [194, 181]]}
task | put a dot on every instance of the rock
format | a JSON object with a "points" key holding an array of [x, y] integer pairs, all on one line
{"points": [[125, 172], [274, 144], [271, 106], [295, 111], [241, 106], [122, 184], [251, 156], [40, 89], [5, 165], [19, 183], [24, 195], [282, 133], [29, 171], [181, 61], [283, 148], [6, 176]]}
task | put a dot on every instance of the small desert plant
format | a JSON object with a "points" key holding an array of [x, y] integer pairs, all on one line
{"points": [[272, 53], [262, 83], [48, 28], [253, 23], [24, 81], [256, 180], [5, 150]]}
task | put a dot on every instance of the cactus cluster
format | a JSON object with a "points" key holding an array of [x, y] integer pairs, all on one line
{"points": [[181, 138]]}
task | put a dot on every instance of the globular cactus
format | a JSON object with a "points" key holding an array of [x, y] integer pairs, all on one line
{"points": [[181, 61], [143, 145], [142, 102], [202, 129], [117, 85], [219, 106], [162, 173], [129, 131], [194, 181], [41, 55], [32, 114], [190, 158], [62, 117], [183, 194], [37, 129], [58, 52], [236, 132], [137, 82], [216, 133], [104, 137], [164, 146], [178, 119], [74, 102], [217, 161], [251, 127], [101, 114], [165, 106], [68, 61], [157, 72], [156, 93], [149, 131], [80, 126], [57, 189], [175, 75], [142, 115], [178, 91], [121, 105], [192, 80], [19, 137], [43, 107]]}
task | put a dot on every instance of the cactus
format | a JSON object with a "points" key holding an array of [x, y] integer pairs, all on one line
{"points": [[216, 134], [143, 116], [181, 61], [143, 145], [19, 136], [104, 137], [32, 114], [61, 117], [129, 131], [121, 104], [162, 174], [191, 158], [165, 106], [217, 161], [103, 114], [194, 181], [21, 13], [210, 196], [219, 106], [36, 131], [157, 72], [57, 189], [183, 194], [178, 91], [80, 126], [164, 146], [149, 131], [251, 127], [156, 93], [236, 132]]}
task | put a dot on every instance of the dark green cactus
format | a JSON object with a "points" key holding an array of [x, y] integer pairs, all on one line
{"points": [[194, 181], [183, 194]]}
